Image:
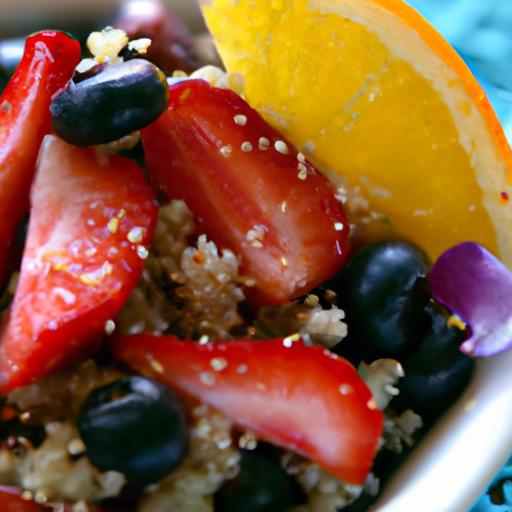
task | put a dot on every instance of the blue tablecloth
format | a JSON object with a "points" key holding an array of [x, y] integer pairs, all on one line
{"points": [[481, 31]]}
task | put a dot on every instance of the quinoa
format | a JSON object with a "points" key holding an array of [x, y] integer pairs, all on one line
{"points": [[57, 470], [212, 459], [382, 376], [399, 429], [186, 290], [59, 397], [357, 207], [322, 326], [325, 493], [51, 473]]}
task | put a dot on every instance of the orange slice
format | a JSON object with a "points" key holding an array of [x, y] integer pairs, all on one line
{"points": [[378, 100]]}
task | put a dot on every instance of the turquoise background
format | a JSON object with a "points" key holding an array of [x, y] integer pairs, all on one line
{"points": [[481, 31]]}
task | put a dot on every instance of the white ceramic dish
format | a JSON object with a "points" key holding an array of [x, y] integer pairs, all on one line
{"points": [[455, 463]]}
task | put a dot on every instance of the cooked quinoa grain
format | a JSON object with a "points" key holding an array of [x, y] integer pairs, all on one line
{"points": [[187, 290], [212, 460], [60, 396], [325, 493], [322, 326], [50, 470]]}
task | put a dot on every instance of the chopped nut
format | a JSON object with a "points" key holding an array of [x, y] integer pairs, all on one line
{"points": [[207, 378], [263, 143], [226, 151], [218, 364], [303, 171], [142, 252], [136, 235], [281, 147], [156, 365], [110, 327], [240, 119], [248, 441], [246, 147], [113, 225]]}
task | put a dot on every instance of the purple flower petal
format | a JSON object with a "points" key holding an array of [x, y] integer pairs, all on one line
{"points": [[476, 286]]}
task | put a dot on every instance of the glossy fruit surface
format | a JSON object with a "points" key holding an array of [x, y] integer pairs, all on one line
{"points": [[437, 373], [136, 426], [117, 101], [299, 397], [48, 63], [251, 191], [91, 219], [381, 291]]}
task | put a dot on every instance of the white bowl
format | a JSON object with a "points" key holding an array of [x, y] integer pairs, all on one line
{"points": [[459, 457]]}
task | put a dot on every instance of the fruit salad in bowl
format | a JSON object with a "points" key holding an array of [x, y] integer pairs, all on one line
{"points": [[260, 282]]}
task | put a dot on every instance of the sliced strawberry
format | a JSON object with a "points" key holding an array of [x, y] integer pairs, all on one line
{"points": [[91, 217], [48, 63], [250, 190], [298, 397]]}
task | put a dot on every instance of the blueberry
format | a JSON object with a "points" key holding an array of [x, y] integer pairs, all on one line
{"points": [[262, 485], [135, 426], [115, 102], [381, 291], [437, 373]]}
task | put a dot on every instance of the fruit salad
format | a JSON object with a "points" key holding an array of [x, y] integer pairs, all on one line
{"points": [[211, 301]]}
